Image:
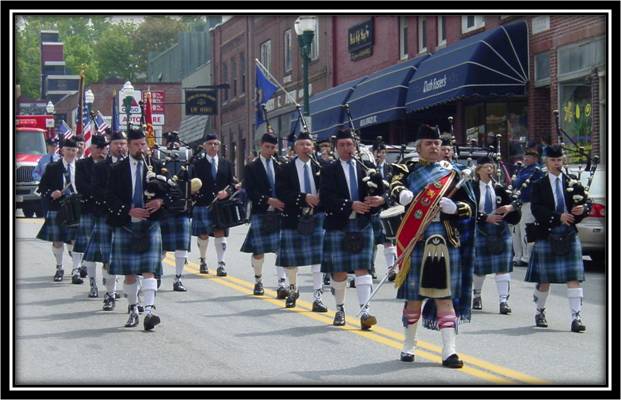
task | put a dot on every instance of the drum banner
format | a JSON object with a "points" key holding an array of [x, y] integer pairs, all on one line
{"points": [[416, 220]]}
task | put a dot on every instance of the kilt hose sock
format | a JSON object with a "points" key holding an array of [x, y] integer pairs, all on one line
{"points": [[478, 284], [220, 248], [77, 261], [132, 292], [339, 291], [202, 246], [503, 282], [540, 298], [257, 265], [317, 278], [364, 286], [390, 255], [180, 256], [149, 287], [410, 325], [110, 280], [574, 296], [58, 254], [292, 275]]}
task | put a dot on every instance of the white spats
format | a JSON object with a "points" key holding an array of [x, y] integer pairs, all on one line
{"points": [[180, 256], [364, 286], [220, 248], [409, 342], [339, 291], [91, 268], [574, 295], [540, 298], [132, 291], [202, 246], [317, 277], [503, 282], [292, 275], [257, 265], [448, 342], [58, 254], [149, 287]]}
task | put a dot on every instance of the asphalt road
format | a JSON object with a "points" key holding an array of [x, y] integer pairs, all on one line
{"points": [[218, 333]]}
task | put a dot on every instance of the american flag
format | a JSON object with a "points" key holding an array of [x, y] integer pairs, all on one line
{"points": [[101, 123], [87, 131], [65, 131]]}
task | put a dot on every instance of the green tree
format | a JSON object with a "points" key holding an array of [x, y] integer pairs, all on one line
{"points": [[156, 33], [116, 53]]}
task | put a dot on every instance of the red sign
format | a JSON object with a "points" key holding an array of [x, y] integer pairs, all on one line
{"points": [[34, 121], [157, 101]]}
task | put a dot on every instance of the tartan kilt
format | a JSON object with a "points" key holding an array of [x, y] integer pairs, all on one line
{"points": [[409, 290], [336, 259], [53, 231], [83, 232], [257, 242], [175, 232], [378, 230], [99, 244], [202, 222], [125, 261], [486, 262], [545, 267], [300, 250]]}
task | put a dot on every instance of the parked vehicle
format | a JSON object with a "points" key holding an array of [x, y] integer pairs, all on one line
{"points": [[30, 133], [592, 229]]}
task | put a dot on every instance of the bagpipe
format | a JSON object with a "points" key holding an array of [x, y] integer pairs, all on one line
{"points": [[70, 210], [373, 178], [591, 163], [313, 137]]}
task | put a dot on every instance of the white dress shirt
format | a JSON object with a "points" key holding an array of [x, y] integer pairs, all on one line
{"points": [[299, 166], [72, 175]]}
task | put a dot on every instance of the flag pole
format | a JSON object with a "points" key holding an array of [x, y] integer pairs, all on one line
{"points": [[276, 81]]}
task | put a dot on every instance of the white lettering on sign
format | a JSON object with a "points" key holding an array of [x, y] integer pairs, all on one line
{"points": [[368, 121], [158, 119], [134, 119], [434, 84]]}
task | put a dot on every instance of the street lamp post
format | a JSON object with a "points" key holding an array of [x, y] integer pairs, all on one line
{"points": [[126, 93], [49, 108], [305, 29], [89, 98]]}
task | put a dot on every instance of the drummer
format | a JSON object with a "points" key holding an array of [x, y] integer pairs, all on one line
{"points": [[58, 181], [218, 181]]}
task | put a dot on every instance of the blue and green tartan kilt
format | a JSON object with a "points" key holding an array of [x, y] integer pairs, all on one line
{"points": [[257, 242], [545, 267], [83, 233], [53, 231], [487, 263], [100, 242], [378, 230], [125, 260], [202, 222], [409, 290], [336, 259], [175, 232], [300, 250]]}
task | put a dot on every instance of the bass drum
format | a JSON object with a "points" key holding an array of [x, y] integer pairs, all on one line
{"points": [[391, 219]]}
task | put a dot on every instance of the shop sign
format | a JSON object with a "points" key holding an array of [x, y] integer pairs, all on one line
{"points": [[360, 36], [200, 102], [434, 84]]}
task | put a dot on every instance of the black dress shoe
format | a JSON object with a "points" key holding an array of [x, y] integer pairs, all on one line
{"points": [[453, 361], [109, 302], [178, 287], [367, 321], [282, 293], [406, 357], [540, 319], [318, 306], [94, 292], [76, 280], [58, 276], [577, 326], [391, 276], [150, 321], [352, 283], [221, 271], [83, 272], [477, 304], [326, 279], [293, 296], [339, 318], [204, 269], [159, 281], [133, 319], [504, 308], [258, 289]]}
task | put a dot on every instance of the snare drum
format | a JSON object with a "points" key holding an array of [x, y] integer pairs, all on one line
{"points": [[228, 213], [391, 219]]}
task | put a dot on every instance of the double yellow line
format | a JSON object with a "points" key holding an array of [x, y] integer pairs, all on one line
{"points": [[472, 366]]}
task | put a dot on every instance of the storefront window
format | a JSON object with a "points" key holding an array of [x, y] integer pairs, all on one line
{"points": [[475, 124], [575, 114], [496, 123], [517, 131]]}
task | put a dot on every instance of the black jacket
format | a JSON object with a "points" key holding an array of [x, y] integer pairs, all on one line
{"points": [[543, 206], [334, 195], [512, 218], [83, 182], [201, 169], [52, 180], [257, 185], [99, 183], [118, 194], [288, 190]]}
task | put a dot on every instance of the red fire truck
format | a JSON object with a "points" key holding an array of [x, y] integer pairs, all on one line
{"points": [[30, 134]]}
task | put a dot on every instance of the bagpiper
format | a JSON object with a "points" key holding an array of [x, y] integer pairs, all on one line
{"points": [[301, 238], [557, 253], [433, 270], [58, 182], [99, 245], [497, 209], [83, 182], [348, 241], [260, 180], [217, 177]]}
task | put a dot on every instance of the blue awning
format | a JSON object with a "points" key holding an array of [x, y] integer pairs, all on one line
{"points": [[381, 97], [493, 62], [326, 111]]}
